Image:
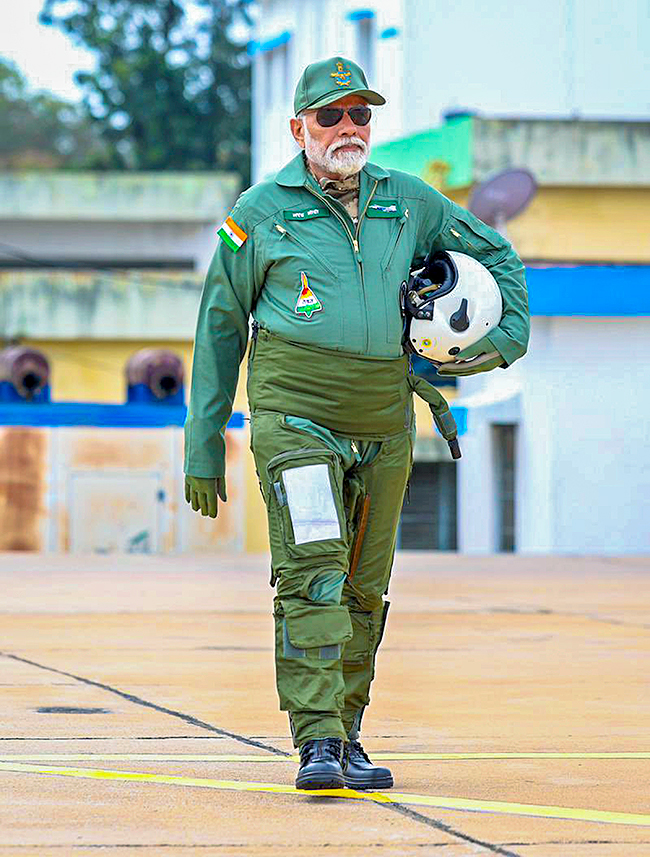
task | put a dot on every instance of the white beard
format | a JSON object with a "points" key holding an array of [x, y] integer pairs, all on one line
{"points": [[343, 163]]}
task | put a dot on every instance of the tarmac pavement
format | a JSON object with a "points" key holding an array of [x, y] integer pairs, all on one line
{"points": [[138, 712]]}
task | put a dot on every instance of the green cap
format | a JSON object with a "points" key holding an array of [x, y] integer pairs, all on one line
{"points": [[328, 80]]}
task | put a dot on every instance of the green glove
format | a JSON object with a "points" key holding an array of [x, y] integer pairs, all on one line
{"points": [[202, 493], [486, 357]]}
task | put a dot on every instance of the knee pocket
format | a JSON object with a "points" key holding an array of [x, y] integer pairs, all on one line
{"points": [[312, 630], [305, 503]]}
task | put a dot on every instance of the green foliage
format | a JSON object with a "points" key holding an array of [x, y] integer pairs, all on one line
{"points": [[40, 130], [169, 91]]}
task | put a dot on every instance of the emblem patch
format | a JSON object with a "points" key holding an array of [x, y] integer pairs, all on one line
{"points": [[307, 303], [341, 77], [384, 208]]}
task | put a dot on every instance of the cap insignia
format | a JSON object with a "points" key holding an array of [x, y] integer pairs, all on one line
{"points": [[341, 77]]}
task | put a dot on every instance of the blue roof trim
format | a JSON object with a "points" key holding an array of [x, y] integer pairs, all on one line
{"points": [[589, 290], [389, 33], [57, 414], [360, 15], [255, 47]]}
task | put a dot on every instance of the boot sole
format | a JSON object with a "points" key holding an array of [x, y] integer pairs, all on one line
{"points": [[313, 782], [364, 786]]}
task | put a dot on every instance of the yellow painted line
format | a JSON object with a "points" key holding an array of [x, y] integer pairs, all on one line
{"points": [[437, 801], [384, 757], [141, 757]]}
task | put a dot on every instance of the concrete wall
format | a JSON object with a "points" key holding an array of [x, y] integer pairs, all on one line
{"points": [[560, 58], [583, 449], [172, 244], [111, 490]]}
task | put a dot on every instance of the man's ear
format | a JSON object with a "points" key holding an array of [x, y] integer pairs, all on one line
{"points": [[298, 132]]}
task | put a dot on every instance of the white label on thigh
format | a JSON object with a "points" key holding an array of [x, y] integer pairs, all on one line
{"points": [[311, 504]]}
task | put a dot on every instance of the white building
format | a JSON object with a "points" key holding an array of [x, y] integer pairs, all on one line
{"points": [[553, 59], [556, 454]]}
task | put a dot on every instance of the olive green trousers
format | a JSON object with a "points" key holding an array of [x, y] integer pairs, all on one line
{"points": [[333, 508]]}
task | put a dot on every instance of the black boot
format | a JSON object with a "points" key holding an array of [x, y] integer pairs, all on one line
{"points": [[360, 773], [320, 764]]}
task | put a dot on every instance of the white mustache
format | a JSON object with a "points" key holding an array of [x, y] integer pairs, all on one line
{"points": [[347, 141]]}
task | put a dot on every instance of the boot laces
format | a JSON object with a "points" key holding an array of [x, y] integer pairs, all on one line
{"points": [[355, 747], [329, 746]]}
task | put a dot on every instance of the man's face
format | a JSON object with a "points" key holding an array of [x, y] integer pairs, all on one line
{"points": [[339, 150]]}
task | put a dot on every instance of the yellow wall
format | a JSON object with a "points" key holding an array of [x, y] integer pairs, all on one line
{"points": [[582, 224]]}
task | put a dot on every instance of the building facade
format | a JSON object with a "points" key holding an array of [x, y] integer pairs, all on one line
{"points": [[562, 59], [547, 454]]}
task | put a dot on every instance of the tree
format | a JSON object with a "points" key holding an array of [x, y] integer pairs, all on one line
{"points": [[39, 130], [168, 92]]}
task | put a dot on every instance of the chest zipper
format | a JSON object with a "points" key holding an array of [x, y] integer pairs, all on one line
{"points": [[402, 222], [354, 238], [285, 232]]}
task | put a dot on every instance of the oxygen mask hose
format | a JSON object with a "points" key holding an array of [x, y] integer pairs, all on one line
{"points": [[442, 416]]}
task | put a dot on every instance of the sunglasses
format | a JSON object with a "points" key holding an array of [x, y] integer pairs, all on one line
{"points": [[327, 117]]}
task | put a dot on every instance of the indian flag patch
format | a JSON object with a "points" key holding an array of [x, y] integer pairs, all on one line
{"points": [[231, 234], [307, 303]]}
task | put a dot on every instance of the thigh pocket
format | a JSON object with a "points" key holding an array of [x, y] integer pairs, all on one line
{"points": [[316, 631], [305, 499]]}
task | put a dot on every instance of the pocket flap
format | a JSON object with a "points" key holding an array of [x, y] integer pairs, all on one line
{"points": [[311, 625]]}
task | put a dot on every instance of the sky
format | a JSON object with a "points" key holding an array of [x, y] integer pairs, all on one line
{"points": [[45, 56]]}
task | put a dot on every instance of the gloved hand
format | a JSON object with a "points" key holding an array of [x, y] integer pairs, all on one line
{"points": [[485, 355], [202, 493]]}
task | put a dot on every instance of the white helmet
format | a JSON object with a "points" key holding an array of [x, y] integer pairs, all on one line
{"points": [[448, 305]]}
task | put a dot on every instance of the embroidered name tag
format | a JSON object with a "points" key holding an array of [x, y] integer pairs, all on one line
{"points": [[384, 208], [306, 213]]}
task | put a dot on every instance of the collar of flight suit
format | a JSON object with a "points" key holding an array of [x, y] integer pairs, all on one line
{"points": [[294, 174]]}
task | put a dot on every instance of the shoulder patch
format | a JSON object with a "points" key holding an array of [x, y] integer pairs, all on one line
{"points": [[231, 234]]}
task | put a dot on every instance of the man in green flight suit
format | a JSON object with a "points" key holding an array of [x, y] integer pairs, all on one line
{"points": [[316, 255]]}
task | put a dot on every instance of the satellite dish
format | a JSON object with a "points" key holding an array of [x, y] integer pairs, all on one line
{"points": [[503, 197]]}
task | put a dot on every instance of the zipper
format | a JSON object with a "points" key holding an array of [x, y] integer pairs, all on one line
{"points": [[354, 238], [403, 220], [304, 246], [458, 235]]}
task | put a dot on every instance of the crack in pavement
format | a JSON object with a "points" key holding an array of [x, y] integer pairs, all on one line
{"points": [[194, 721], [446, 828]]}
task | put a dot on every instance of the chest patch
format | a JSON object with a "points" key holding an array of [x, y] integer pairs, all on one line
{"points": [[306, 213], [307, 303], [384, 208]]}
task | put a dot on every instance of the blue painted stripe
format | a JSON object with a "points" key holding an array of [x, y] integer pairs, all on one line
{"points": [[589, 290], [261, 46], [360, 15], [108, 416], [389, 33], [460, 415]]}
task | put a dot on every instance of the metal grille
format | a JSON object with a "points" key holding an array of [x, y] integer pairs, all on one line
{"points": [[504, 439], [428, 519]]}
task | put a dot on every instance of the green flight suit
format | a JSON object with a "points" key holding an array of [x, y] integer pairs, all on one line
{"points": [[331, 404]]}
